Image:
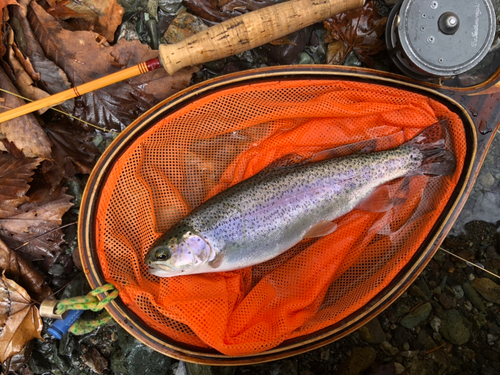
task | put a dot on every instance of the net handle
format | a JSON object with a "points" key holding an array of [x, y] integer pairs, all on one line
{"points": [[250, 30]]}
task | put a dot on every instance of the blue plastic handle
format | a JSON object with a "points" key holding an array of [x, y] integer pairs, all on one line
{"points": [[60, 327]]}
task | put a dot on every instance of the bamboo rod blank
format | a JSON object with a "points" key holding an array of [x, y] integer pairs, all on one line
{"points": [[233, 36], [76, 91]]}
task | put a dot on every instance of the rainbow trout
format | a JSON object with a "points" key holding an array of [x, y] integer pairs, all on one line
{"points": [[268, 213]]}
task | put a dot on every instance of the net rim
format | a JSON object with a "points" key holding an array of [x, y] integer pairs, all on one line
{"points": [[294, 346]]}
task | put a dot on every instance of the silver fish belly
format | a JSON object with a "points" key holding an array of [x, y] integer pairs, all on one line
{"points": [[261, 217]]}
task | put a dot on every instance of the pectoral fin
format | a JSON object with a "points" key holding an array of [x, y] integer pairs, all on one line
{"points": [[378, 201], [323, 228], [217, 261]]}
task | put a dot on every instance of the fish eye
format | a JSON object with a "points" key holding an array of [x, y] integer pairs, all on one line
{"points": [[162, 254]]}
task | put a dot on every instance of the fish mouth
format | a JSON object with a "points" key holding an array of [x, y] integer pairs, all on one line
{"points": [[161, 272], [160, 266]]}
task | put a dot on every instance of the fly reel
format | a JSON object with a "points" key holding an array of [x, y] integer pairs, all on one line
{"points": [[439, 38]]}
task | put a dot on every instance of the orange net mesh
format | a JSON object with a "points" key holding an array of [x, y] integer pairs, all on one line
{"points": [[225, 137]]}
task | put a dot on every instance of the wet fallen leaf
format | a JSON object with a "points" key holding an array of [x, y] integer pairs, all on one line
{"points": [[3, 18], [23, 131], [19, 319], [20, 359], [218, 11], [52, 77], [84, 59], [336, 53], [15, 174], [35, 227], [101, 16], [282, 41], [360, 30], [72, 152], [21, 271]]}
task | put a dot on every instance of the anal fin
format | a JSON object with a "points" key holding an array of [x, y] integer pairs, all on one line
{"points": [[378, 201], [323, 228]]}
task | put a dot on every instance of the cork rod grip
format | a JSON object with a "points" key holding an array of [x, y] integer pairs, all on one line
{"points": [[250, 30]]}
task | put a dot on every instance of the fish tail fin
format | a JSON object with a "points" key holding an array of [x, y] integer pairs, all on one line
{"points": [[438, 161]]}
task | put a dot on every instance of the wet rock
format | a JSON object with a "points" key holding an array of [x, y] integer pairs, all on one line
{"points": [[473, 297], [491, 253], [94, 360], [487, 288], [401, 335], [284, 367], [424, 287], [491, 339], [196, 369], [479, 320], [138, 358], [182, 27], [170, 6], [360, 360], [56, 270], [401, 309], [286, 54], [399, 368], [487, 180], [416, 292], [39, 364], [453, 328], [447, 301], [457, 277], [304, 58], [491, 355], [389, 349], [436, 324], [416, 316], [372, 332], [459, 292]]}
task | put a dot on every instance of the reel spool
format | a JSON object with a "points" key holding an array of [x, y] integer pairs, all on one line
{"points": [[439, 38]]}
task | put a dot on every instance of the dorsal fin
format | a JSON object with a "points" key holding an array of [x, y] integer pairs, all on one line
{"points": [[287, 161]]}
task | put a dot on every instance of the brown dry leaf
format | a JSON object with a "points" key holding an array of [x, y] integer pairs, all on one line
{"points": [[52, 77], [84, 59], [26, 63], [23, 131], [100, 16], [23, 82], [36, 226], [21, 271], [4, 3], [19, 319], [14, 177], [218, 11], [360, 30]]}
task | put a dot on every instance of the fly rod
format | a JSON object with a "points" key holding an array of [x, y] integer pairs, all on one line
{"points": [[228, 38]]}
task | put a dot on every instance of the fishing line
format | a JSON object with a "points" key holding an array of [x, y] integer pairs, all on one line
{"points": [[472, 264], [64, 113], [43, 234]]}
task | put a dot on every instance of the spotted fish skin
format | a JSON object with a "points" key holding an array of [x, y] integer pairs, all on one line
{"points": [[266, 214]]}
